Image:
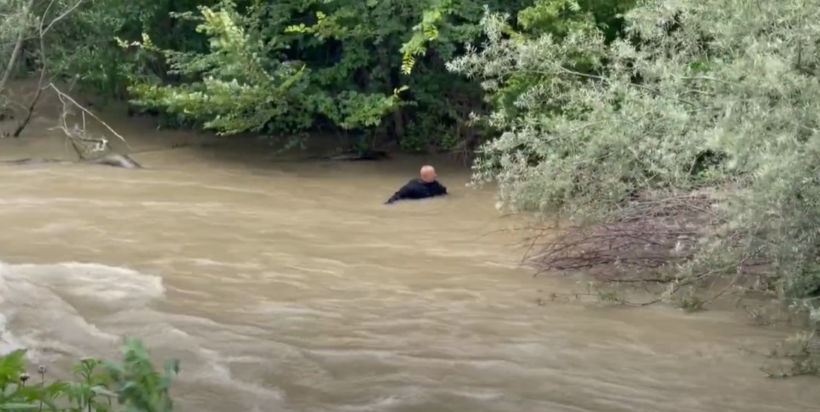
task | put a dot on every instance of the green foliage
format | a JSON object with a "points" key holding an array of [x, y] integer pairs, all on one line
{"points": [[135, 384], [85, 48], [373, 69], [238, 91], [16, 15], [424, 32], [717, 100], [284, 66], [244, 82], [90, 389], [557, 19]]}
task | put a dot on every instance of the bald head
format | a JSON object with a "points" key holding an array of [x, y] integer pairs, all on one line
{"points": [[428, 174]]}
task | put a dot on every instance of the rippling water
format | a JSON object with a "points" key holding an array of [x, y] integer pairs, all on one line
{"points": [[290, 287]]}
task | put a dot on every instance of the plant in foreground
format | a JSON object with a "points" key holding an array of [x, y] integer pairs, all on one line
{"points": [[134, 382]]}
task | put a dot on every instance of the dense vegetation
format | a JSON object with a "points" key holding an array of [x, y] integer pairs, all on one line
{"points": [[675, 142], [371, 71]]}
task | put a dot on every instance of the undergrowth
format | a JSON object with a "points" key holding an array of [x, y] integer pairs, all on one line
{"points": [[132, 384], [681, 157]]}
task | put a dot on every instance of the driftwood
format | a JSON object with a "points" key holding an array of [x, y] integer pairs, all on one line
{"points": [[115, 160], [649, 235]]}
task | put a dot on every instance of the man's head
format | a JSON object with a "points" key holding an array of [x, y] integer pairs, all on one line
{"points": [[428, 174]]}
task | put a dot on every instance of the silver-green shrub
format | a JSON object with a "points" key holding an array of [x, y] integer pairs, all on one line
{"points": [[696, 133]]}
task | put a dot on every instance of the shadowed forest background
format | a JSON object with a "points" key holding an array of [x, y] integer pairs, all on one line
{"points": [[374, 73], [675, 145]]}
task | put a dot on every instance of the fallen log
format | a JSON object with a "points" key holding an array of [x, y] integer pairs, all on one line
{"points": [[115, 160]]}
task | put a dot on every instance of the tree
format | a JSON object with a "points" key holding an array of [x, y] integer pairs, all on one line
{"points": [[237, 88], [347, 54], [689, 146], [32, 23]]}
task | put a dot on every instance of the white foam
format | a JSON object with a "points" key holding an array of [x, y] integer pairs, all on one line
{"points": [[86, 280], [219, 373], [37, 304], [8, 342]]}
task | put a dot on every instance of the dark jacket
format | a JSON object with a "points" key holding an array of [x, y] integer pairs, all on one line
{"points": [[416, 189]]}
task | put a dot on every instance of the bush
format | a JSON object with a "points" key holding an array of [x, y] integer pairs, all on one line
{"points": [[693, 140], [133, 382]]}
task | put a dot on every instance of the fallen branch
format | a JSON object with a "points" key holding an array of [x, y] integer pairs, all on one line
{"points": [[77, 135], [652, 241], [648, 235], [63, 97]]}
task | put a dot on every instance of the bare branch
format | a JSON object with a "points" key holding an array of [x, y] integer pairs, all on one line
{"points": [[58, 18], [62, 96]]}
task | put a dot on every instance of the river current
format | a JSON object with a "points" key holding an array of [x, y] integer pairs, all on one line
{"points": [[288, 286]]}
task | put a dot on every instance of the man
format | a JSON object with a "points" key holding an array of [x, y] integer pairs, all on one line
{"points": [[423, 187]]}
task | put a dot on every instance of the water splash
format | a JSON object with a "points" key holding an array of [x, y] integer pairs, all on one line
{"points": [[45, 295]]}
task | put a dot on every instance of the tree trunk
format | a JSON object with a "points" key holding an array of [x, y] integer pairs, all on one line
{"points": [[18, 48]]}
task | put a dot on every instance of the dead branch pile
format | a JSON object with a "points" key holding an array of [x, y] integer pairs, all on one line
{"points": [[646, 235]]}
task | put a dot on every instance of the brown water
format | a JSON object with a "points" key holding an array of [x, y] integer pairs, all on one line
{"points": [[290, 287]]}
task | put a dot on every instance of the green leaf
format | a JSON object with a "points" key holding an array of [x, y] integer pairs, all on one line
{"points": [[18, 406]]}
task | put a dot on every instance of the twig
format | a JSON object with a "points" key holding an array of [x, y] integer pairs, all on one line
{"points": [[76, 134], [647, 235], [84, 110], [58, 18], [734, 280]]}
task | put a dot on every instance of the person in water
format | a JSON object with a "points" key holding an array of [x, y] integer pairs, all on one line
{"points": [[423, 187]]}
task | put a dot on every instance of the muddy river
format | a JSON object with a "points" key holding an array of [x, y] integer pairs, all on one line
{"points": [[287, 286]]}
